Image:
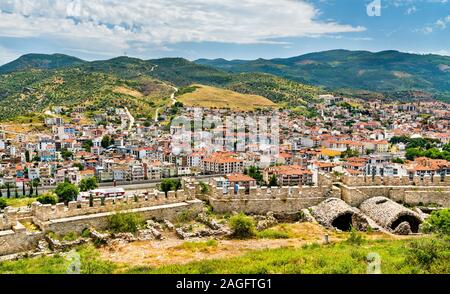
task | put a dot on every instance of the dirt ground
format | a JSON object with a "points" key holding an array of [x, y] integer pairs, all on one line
{"points": [[171, 249]]}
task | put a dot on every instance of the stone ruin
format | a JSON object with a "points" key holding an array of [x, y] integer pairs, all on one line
{"points": [[335, 213], [391, 215]]}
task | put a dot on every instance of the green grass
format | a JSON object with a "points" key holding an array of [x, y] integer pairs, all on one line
{"points": [[272, 234], [59, 264], [413, 256], [341, 258], [19, 202], [198, 246]]}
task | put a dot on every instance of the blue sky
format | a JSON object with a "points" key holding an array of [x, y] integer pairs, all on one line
{"points": [[232, 29]]}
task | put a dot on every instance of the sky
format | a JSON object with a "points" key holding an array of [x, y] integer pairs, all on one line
{"points": [[230, 29]]}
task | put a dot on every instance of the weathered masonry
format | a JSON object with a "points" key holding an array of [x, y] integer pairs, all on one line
{"points": [[80, 215]]}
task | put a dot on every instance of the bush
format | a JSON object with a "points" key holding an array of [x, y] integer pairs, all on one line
{"points": [[242, 226], [204, 188], [48, 198], [429, 254], [3, 203], [125, 222], [355, 238], [86, 233], [438, 222]]}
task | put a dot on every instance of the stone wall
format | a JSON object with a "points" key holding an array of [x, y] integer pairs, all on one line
{"points": [[260, 200], [395, 181], [77, 216], [100, 220], [411, 195], [19, 240]]}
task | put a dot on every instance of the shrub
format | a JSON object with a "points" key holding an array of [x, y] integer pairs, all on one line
{"points": [[204, 188], [48, 198], [355, 238], [429, 254], [438, 222], [86, 233], [125, 222], [72, 236], [242, 226], [3, 203], [186, 216]]}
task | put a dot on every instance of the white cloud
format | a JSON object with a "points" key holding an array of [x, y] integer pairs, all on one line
{"points": [[411, 10], [442, 23], [118, 25]]}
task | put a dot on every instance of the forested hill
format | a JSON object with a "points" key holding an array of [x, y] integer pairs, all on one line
{"points": [[394, 74]]}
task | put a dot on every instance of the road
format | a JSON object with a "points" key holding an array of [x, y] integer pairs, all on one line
{"points": [[172, 98], [130, 118]]}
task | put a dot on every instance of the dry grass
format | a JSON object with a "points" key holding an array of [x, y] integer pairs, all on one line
{"points": [[211, 97], [129, 92], [175, 251]]}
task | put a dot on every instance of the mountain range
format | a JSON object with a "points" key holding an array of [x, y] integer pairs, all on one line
{"points": [[34, 82], [391, 73]]}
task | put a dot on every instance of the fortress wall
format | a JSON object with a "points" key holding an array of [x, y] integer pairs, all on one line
{"points": [[18, 239], [365, 180], [99, 221], [410, 195], [262, 206]]}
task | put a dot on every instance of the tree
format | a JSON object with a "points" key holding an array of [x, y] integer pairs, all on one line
{"points": [[255, 173], [273, 182], [30, 184], [66, 154], [35, 183], [8, 189], [23, 189], [3, 203], [27, 156], [177, 185], [66, 192], [166, 185], [87, 145], [88, 184], [106, 141], [79, 165], [349, 153]]}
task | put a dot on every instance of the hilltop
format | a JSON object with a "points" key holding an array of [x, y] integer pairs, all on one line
{"points": [[40, 61]]}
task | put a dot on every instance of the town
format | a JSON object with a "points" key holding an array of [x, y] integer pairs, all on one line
{"points": [[344, 136]]}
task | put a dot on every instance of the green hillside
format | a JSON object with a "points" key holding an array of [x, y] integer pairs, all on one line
{"points": [[141, 85], [36, 90], [392, 73]]}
